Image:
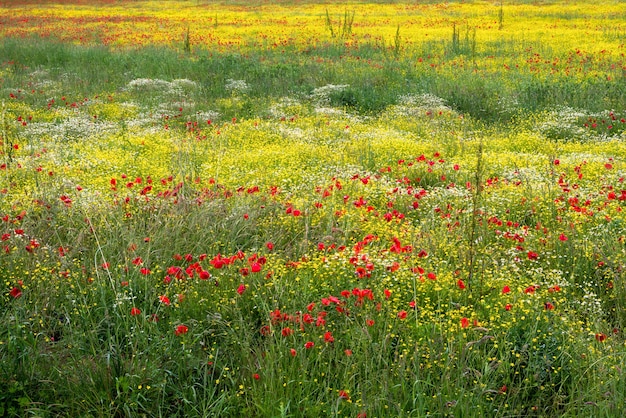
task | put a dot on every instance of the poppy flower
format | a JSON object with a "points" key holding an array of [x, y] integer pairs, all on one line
{"points": [[464, 322], [309, 344], [164, 300], [344, 395], [135, 311], [328, 337], [181, 329], [241, 289], [15, 292], [600, 337], [402, 314], [460, 284], [532, 255], [531, 289], [286, 332], [293, 352], [506, 289], [256, 376]]}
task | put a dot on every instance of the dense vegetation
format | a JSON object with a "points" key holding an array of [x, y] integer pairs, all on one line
{"points": [[310, 209]]}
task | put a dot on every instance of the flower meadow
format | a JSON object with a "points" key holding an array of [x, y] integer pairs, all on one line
{"points": [[294, 208]]}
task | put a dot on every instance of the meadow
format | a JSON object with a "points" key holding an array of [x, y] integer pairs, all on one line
{"points": [[311, 208]]}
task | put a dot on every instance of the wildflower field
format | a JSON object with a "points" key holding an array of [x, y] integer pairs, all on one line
{"points": [[302, 209]]}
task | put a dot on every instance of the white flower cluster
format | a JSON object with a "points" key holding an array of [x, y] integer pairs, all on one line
{"points": [[411, 105], [321, 95], [236, 86], [72, 128], [174, 87]]}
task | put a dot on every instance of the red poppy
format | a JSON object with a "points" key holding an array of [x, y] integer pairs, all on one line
{"points": [[431, 276], [464, 322], [138, 261], [402, 314], [532, 255], [347, 352], [508, 306], [369, 322], [328, 337], [135, 311], [164, 300], [241, 289], [181, 329], [548, 306], [600, 337], [506, 289], [531, 289], [344, 395], [15, 292], [293, 352], [256, 376], [286, 332], [460, 284], [145, 271]]}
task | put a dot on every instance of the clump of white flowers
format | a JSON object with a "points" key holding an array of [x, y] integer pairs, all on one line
{"points": [[236, 86]]}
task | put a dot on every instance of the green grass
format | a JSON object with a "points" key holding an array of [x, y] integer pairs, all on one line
{"points": [[273, 75]]}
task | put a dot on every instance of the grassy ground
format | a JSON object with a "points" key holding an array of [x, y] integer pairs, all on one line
{"points": [[306, 209]]}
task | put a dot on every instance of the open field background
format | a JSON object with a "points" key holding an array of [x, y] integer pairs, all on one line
{"points": [[312, 209]]}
